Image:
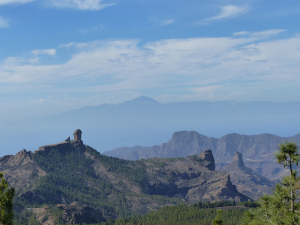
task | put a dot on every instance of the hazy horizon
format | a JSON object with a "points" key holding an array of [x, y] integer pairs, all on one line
{"points": [[61, 55]]}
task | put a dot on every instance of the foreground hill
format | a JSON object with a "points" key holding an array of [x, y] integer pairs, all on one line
{"points": [[77, 182], [258, 150]]}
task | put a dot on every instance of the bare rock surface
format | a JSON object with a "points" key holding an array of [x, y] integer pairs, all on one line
{"points": [[21, 170], [258, 150], [246, 180]]}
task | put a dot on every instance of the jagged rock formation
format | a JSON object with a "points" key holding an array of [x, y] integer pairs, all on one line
{"points": [[247, 182], [21, 170], [42, 177], [77, 135], [65, 144], [74, 213], [207, 156], [193, 179], [257, 149]]}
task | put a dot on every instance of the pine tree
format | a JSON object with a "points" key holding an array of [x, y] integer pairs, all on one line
{"points": [[218, 220], [281, 207], [6, 207]]}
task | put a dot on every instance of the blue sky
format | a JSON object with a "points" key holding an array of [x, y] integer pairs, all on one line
{"points": [[57, 55]]}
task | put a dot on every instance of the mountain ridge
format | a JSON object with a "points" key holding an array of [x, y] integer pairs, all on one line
{"points": [[257, 149], [69, 174]]}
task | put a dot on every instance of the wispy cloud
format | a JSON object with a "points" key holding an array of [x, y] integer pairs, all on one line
{"points": [[72, 4], [226, 12], [3, 23], [6, 2], [80, 4], [165, 22], [261, 34], [161, 23], [51, 52], [94, 29], [229, 11], [224, 68]]}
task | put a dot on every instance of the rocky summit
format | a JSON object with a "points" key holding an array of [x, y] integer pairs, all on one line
{"points": [[60, 183], [246, 180]]}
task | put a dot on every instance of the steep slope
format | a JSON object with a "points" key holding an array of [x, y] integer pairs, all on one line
{"points": [[21, 170], [257, 149], [247, 182], [68, 174]]}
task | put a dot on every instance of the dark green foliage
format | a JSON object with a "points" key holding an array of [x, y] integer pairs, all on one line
{"points": [[6, 206], [196, 158], [70, 177], [206, 205], [132, 170], [26, 217], [218, 220], [282, 207], [250, 204], [182, 214]]}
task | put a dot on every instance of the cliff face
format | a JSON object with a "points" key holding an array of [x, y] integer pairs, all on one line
{"points": [[62, 173], [257, 149], [192, 179], [247, 182]]}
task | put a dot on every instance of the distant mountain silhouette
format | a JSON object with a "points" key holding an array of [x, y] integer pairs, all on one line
{"points": [[146, 122], [257, 149], [141, 100]]}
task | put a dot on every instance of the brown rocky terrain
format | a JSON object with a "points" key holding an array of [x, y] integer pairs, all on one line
{"points": [[21, 170], [105, 187], [258, 150], [248, 182], [193, 179], [75, 213]]}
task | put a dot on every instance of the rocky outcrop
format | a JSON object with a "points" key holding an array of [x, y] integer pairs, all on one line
{"points": [[77, 135], [247, 181], [62, 146], [238, 159], [257, 149], [78, 213], [20, 170], [75, 213], [208, 159], [193, 179]]}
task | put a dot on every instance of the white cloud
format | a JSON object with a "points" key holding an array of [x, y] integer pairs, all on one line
{"points": [[3, 23], [165, 22], [80, 4], [227, 12], [261, 34], [51, 52], [161, 23], [6, 2], [67, 45], [225, 68], [73, 4]]}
